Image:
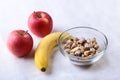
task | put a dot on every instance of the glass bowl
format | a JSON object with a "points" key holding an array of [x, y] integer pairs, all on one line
{"points": [[86, 32]]}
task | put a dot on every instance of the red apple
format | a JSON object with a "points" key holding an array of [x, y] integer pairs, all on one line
{"points": [[19, 42], [40, 23]]}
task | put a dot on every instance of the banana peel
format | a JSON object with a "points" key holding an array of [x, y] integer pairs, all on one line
{"points": [[44, 48]]}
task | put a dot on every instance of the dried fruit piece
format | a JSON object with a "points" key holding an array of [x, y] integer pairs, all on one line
{"points": [[86, 53], [74, 49]]}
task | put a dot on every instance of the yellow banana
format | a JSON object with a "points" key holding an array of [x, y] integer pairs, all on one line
{"points": [[44, 49]]}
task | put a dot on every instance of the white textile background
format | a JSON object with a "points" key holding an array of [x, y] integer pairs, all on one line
{"points": [[103, 15]]}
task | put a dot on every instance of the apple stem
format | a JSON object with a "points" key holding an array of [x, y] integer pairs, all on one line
{"points": [[25, 32], [38, 15]]}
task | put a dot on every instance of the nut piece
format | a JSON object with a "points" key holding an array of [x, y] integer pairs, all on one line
{"points": [[88, 40], [68, 45], [96, 46], [82, 40], [78, 53], [86, 46], [73, 45], [93, 51]]}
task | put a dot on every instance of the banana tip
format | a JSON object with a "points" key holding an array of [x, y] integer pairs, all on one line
{"points": [[43, 69]]}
